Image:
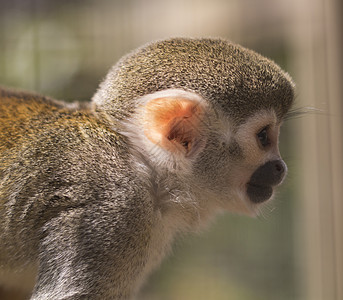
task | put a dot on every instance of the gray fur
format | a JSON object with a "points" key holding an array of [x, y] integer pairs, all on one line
{"points": [[237, 80], [82, 203]]}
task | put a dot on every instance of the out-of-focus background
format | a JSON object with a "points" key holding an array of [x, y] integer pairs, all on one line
{"points": [[63, 48]]}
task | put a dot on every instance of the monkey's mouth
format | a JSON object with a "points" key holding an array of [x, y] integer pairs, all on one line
{"points": [[258, 193]]}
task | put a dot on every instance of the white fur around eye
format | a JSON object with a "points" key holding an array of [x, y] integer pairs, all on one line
{"points": [[246, 135]]}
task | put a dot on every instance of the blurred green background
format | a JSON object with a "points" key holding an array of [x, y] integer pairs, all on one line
{"points": [[293, 250]]}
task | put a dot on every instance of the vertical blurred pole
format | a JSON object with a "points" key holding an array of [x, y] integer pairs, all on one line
{"points": [[318, 44], [334, 31]]}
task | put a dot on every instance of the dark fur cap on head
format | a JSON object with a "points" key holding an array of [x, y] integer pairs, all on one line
{"points": [[232, 78]]}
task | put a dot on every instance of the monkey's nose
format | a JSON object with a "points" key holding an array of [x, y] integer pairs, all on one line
{"points": [[279, 168], [269, 174]]}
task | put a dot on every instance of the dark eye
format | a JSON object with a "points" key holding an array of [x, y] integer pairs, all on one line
{"points": [[186, 144], [263, 137]]}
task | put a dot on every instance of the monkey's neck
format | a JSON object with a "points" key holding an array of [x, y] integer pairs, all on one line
{"points": [[182, 208]]}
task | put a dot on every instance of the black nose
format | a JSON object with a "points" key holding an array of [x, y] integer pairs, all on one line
{"points": [[279, 167], [269, 174], [260, 186]]}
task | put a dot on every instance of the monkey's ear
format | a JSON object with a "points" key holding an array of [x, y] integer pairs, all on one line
{"points": [[174, 123]]}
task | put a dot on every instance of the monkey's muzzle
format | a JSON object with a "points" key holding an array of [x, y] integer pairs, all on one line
{"points": [[262, 181]]}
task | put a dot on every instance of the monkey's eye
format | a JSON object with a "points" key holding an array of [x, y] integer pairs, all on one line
{"points": [[186, 144], [263, 137]]}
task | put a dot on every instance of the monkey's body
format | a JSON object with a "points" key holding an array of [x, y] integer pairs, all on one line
{"points": [[93, 195], [40, 191]]}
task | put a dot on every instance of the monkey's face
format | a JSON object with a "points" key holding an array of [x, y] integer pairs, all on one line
{"points": [[250, 166], [240, 166], [228, 166]]}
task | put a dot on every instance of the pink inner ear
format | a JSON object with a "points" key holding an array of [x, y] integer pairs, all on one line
{"points": [[173, 123]]}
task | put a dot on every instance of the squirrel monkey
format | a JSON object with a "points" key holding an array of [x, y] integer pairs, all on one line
{"points": [[92, 195]]}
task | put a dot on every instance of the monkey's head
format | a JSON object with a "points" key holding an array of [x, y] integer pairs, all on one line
{"points": [[205, 111]]}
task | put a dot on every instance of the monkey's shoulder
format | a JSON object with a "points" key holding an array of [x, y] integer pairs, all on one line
{"points": [[56, 149], [21, 103], [56, 140], [20, 112], [27, 116]]}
